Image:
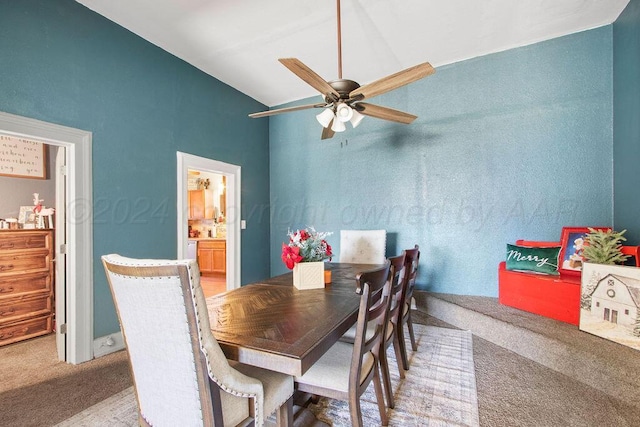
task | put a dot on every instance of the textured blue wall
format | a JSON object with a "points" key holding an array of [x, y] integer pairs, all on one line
{"points": [[64, 64], [626, 123], [511, 145]]}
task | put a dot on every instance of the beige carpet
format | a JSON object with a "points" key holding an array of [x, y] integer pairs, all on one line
{"points": [[440, 389]]}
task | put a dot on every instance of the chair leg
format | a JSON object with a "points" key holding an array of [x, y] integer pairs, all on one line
{"points": [[284, 414], [402, 345], [354, 410], [386, 377], [384, 420], [399, 355], [414, 346]]}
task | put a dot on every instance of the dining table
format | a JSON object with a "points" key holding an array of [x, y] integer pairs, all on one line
{"points": [[273, 325]]}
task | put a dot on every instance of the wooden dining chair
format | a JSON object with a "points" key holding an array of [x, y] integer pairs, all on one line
{"points": [[345, 370], [391, 335], [395, 288], [180, 374], [363, 246], [412, 259]]}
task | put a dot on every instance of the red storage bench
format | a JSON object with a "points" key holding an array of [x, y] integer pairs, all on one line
{"points": [[556, 297], [550, 296]]}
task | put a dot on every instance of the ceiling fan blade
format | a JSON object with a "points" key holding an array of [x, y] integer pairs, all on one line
{"points": [[327, 132], [393, 81], [311, 77], [285, 110], [384, 113]]}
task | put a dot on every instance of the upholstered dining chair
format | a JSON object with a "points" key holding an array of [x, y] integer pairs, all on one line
{"points": [[363, 246], [345, 370], [412, 259], [180, 374]]}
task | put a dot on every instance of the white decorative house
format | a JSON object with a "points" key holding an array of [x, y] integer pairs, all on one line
{"points": [[616, 299]]}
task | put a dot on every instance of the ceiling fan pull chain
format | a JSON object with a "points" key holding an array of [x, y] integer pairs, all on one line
{"points": [[339, 42]]}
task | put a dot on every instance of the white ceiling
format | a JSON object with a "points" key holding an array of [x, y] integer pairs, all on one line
{"points": [[239, 42]]}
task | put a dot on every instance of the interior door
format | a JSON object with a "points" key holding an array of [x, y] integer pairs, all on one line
{"points": [[60, 255]]}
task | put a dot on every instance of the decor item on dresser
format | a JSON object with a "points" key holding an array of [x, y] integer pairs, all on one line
{"points": [[305, 254], [26, 284], [43, 215]]}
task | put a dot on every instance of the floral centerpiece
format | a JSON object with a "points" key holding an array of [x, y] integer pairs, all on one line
{"points": [[305, 254], [306, 245]]}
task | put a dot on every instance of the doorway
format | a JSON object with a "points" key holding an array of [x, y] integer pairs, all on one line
{"points": [[74, 245], [226, 178], [206, 200]]}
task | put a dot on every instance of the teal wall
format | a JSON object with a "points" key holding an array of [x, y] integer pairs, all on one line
{"points": [[626, 123], [511, 145], [64, 64]]}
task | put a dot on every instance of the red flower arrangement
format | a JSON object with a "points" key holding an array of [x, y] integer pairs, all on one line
{"points": [[306, 245]]}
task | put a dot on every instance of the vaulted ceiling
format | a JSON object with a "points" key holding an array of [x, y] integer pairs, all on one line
{"points": [[239, 42]]}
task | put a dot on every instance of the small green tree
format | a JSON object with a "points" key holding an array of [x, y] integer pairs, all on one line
{"points": [[604, 247]]}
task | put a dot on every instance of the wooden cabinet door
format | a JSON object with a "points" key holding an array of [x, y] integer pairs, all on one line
{"points": [[212, 256], [195, 201], [205, 260], [219, 260]]}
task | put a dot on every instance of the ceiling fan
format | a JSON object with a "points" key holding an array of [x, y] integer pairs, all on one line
{"points": [[343, 99]]}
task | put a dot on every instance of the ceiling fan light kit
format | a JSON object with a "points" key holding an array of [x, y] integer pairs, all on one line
{"points": [[356, 118], [338, 126], [325, 117], [343, 98]]}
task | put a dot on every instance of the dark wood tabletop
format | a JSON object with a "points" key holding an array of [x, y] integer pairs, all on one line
{"points": [[273, 325]]}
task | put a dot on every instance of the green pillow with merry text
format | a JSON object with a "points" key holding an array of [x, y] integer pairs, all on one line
{"points": [[535, 260]]}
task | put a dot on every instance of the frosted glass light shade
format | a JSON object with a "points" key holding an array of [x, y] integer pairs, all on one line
{"points": [[338, 126], [325, 117], [357, 118], [344, 112]]}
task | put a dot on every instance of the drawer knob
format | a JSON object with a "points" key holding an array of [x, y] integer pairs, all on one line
{"points": [[6, 267], [6, 290]]}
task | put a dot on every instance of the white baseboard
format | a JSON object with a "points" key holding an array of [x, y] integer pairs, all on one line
{"points": [[108, 344]]}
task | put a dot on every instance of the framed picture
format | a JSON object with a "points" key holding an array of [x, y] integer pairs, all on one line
{"points": [[22, 158], [572, 242], [608, 306], [26, 216]]}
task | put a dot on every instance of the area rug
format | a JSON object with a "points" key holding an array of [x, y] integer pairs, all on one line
{"points": [[439, 390]]}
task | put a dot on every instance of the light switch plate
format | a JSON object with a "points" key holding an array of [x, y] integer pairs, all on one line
{"points": [[243, 224]]}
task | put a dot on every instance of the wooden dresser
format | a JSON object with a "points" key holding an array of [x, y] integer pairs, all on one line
{"points": [[26, 284]]}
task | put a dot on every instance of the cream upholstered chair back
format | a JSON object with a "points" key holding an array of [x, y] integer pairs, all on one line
{"points": [[181, 376], [363, 246]]}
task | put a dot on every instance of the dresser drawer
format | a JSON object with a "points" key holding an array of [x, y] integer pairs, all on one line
{"points": [[18, 309], [26, 284], [25, 262], [23, 240], [26, 329]]}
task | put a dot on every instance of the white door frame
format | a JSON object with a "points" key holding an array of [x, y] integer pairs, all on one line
{"points": [[232, 214], [78, 144]]}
